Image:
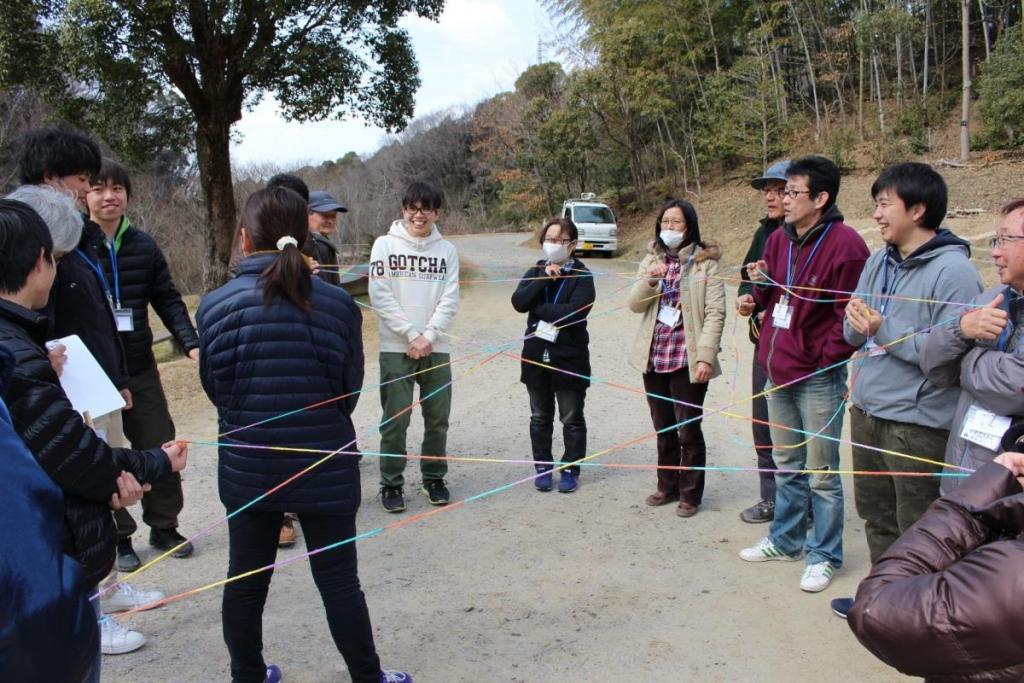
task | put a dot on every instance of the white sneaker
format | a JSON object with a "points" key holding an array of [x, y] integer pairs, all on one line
{"points": [[817, 577], [125, 598], [115, 639], [765, 551]]}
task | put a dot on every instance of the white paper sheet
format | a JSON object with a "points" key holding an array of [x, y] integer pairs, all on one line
{"points": [[84, 381]]}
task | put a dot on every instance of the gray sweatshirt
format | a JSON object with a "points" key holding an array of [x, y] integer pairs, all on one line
{"points": [[890, 385], [990, 375]]}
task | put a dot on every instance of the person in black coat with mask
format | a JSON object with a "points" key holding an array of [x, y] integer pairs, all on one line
{"points": [[557, 294]]}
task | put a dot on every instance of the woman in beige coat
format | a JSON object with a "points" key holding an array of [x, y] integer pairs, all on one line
{"points": [[676, 347]]}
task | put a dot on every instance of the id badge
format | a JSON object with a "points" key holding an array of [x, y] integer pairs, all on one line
{"points": [[125, 321], [983, 427], [668, 315], [546, 331], [874, 349], [782, 316]]}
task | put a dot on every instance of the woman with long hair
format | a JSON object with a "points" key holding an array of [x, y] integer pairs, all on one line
{"points": [[676, 347], [556, 294], [275, 342]]}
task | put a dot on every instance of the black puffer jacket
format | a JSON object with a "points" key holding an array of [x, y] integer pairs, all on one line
{"points": [[565, 302], [144, 280], [80, 463], [258, 362], [78, 305]]}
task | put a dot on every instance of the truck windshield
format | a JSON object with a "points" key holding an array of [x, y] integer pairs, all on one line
{"points": [[592, 214]]}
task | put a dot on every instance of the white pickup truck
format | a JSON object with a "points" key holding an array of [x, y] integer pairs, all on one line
{"points": [[595, 222]]}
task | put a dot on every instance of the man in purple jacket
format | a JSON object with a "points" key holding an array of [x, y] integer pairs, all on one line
{"points": [[803, 281]]}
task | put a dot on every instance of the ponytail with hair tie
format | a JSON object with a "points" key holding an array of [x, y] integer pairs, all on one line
{"points": [[285, 241]]}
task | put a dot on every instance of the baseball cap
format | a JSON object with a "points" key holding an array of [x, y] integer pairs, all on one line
{"points": [[322, 202], [776, 171]]}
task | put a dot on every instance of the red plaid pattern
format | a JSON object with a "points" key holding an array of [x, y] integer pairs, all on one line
{"points": [[668, 346]]}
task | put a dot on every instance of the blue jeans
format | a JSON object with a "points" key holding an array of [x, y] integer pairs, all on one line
{"points": [[814, 406]]}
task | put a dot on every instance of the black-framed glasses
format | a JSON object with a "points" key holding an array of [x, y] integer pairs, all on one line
{"points": [[1003, 240], [413, 210], [793, 194], [558, 240]]}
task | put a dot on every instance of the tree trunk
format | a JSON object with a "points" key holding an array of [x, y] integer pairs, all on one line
{"points": [[711, 30], [927, 35], [965, 61], [860, 90], [810, 71], [984, 30], [213, 154]]}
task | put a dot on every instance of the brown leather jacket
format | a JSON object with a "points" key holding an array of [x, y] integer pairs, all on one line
{"points": [[946, 601]]}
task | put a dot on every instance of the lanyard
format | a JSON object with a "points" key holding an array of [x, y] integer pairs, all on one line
{"points": [[684, 270], [99, 273], [807, 263], [886, 299], [117, 279], [557, 294]]}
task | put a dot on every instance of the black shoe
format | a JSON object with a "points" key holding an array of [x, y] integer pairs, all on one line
{"points": [[127, 560], [436, 492], [165, 539], [759, 513], [392, 499], [841, 607]]}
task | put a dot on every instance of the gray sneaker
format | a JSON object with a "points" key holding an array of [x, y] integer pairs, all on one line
{"points": [[759, 513]]}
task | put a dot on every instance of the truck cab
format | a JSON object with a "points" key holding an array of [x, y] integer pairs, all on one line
{"points": [[596, 224]]}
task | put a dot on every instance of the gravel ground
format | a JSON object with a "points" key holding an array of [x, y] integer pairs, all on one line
{"points": [[520, 585]]}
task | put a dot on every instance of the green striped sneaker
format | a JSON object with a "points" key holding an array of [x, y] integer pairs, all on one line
{"points": [[765, 551], [817, 577]]}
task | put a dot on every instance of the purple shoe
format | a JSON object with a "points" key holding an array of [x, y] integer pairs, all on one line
{"points": [[273, 674], [395, 677]]}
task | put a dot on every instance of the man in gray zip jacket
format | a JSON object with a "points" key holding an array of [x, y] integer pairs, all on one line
{"points": [[920, 279], [983, 353]]}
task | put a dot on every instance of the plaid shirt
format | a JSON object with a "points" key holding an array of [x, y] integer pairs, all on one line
{"points": [[668, 346]]}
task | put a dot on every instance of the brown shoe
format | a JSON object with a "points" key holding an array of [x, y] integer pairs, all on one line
{"points": [[686, 510], [287, 537], [659, 498]]}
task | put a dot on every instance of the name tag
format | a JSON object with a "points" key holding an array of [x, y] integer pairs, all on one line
{"points": [[874, 349], [125, 321], [782, 316], [546, 331], [668, 315], [984, 427]]}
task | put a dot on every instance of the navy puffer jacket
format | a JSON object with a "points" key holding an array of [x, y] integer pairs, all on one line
{"points": [[259, 362]]}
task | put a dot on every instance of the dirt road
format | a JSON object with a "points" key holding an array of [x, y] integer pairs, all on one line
{"points": [[520, 585]]}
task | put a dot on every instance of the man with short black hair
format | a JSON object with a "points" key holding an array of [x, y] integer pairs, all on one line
{"points": [[806, 266], [414, 288], [772, 184], [921, 278], [58, 156], [137, 276]]}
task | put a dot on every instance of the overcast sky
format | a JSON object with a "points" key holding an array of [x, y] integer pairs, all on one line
{"points": [[477, 49]]}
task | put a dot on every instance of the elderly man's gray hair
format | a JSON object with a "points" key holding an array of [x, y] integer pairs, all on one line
{"points": [[57, 210]]}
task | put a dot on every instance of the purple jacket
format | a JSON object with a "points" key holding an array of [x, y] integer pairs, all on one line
{"points": [[828, 258]]}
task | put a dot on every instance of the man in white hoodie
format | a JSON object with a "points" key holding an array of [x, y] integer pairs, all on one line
{"points": [[414, 288]]}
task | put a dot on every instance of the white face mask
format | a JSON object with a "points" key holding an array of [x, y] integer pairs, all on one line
{"points": [[672, 238], [556, 253]]}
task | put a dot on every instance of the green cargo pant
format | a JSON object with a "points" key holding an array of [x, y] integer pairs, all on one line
{"points": [[889, 505], [435, 375]]}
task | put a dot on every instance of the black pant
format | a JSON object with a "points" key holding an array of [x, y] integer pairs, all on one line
{"points": [[762, 432], [148, 425], [252, 540], [683, 446], [542, 420]]}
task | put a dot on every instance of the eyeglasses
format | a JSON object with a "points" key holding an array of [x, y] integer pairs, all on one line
{"points": [[556, 240], [793, 194], [413, 210], [1003, 240], [672, 221], [777, 191]]}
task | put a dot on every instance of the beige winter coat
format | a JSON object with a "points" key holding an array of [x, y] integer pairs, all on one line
{"points": [[702, 301]]}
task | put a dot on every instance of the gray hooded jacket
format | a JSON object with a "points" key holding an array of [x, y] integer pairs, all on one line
{"points": [[989, 374], [891, 385]]}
